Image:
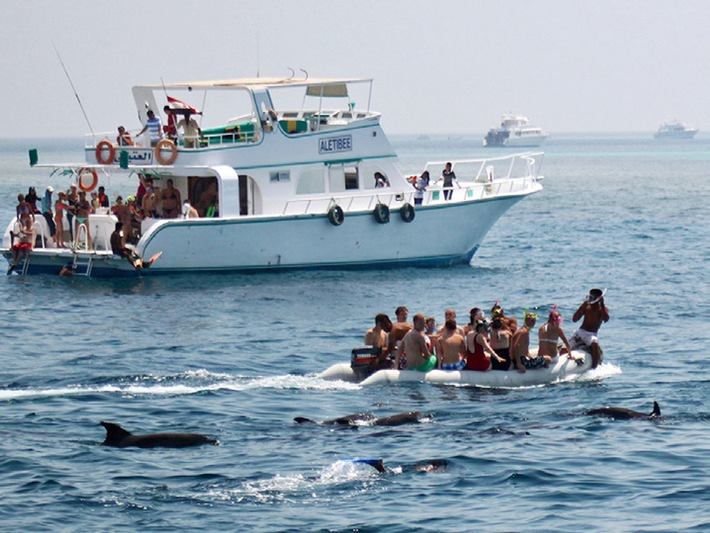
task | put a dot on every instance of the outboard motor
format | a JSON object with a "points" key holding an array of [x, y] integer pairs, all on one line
{"points": [[364, 361]]}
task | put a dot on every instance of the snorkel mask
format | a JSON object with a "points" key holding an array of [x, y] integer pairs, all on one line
{"points": [[555, 316]]}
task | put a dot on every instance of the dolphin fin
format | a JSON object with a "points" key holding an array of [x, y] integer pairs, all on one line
{"points": [[302, 420], [114, 434], [656, 410], [377, 464]]}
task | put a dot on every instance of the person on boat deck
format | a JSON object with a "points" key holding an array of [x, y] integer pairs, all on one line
{"points": [[83, 210], [377, 338], [595, 313], [72, 199], [149, 205], [399, 329], [500, 337], [154, 127], [478, 352], [381, 180], [31, 199], [144, 183], [25, 243], [124, 138], [191, 130], [118, 248], [60, 206], [46, 204], [23, 209], [414, 349], [450, 314], [509, 321], [420, 184], [520, 347], [103, 198], [448, 176], [549, 335], [451, 348], [170, 201], [188, 211], [207, 198], [170, 130]]}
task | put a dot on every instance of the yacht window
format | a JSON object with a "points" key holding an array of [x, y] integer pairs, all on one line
{"points": [[351, 179], [336, 178], [311, 182], [280, 175]]}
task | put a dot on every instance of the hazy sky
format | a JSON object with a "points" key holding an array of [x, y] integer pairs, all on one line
{"points": [[444, 66]]}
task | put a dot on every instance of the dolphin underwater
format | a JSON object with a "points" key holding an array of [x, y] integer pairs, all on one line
{"points": [[120, 438], [410, 417], [619, 413]]}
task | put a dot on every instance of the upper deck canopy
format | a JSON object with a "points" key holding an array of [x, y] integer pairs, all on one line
{"points": [[259, 83]]}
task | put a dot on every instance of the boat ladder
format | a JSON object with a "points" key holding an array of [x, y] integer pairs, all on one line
{"points": [[83, 265], [26, 264]]}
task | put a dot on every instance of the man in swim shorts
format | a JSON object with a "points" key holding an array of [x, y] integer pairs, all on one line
{"points": [[520, 347], [451, 347], [594, 313], [415, 349], [377, 338]]}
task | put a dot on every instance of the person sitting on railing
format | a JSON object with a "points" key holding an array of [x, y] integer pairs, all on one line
{"points": [[191, 130], [118, 248], [26, 242], [124, 138]]}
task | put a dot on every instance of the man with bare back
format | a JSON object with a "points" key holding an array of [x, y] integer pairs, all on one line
{"points": [[415, 349], [451, 347], [595, 313]]}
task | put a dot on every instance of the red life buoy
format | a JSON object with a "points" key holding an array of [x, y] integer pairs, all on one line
{"points": [[165, 144], [100, 152], [94, 179]]}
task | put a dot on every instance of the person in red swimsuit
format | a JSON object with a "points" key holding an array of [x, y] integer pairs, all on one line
{"points": [[478, 351]]}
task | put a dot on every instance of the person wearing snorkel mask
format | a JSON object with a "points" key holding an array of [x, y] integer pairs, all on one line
{"points": [[520, 347], [550, 334], [595, 314]]}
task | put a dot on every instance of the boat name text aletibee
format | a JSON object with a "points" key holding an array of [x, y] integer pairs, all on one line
{"points": [[331, 145]]}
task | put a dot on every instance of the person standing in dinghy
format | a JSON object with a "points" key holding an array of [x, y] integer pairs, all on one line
{"points": [[595, 313]]}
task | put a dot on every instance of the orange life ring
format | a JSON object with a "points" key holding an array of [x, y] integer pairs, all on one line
{"points": [[94, 179], [165, 143], [100, 150]]}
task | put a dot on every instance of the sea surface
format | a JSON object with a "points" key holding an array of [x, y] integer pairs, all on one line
{"points": [[235, 357]]}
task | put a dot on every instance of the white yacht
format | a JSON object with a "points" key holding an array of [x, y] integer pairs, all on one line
{"points": [[675, 130], [295, 181], [515, 131]]}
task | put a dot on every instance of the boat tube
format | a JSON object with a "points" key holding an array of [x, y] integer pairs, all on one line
{"points": [[560, 369]]}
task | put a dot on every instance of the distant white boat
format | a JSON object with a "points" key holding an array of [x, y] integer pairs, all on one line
{"points": [[515, 131], [675, 130]]}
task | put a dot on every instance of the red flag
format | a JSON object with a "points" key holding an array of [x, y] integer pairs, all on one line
{"points": [[178, 106]]}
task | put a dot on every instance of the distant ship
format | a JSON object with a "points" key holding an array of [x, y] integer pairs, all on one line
{"points": [[514, 131], [675, 130]]}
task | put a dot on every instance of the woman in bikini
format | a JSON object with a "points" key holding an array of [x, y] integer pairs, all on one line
{"points": [[550, 334], [500, 342], [478, 352], [83, 210], [59, 207], [170, 200]]}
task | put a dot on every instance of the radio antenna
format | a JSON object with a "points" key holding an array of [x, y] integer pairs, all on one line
{"points": [[73, 89]]}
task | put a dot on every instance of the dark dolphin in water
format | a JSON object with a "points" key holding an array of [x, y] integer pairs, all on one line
{"points": [[619, 413], [436, 465], [367, 419], [120, 438]]}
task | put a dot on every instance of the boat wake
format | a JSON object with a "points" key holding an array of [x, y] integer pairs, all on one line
{"points": [[185, 383]]}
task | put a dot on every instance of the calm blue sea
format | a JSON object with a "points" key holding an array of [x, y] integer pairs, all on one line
{"points": [[235, 357]]}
